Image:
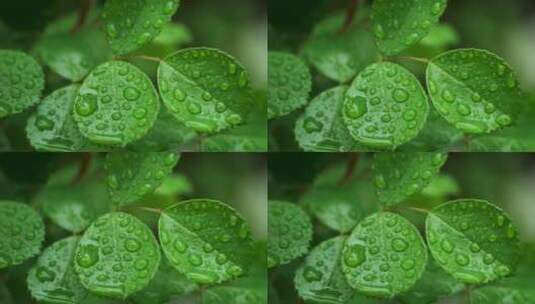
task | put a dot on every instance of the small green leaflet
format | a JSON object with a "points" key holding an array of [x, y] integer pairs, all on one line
{"points": [[290, 232], [340, 56], [21, 84], [206, 240], [206, 89], [117, 256], [52, 127], [385, 106], [402, 174], [321, 127], [117, 104], [320, 279], [53, 278], [473, 240], [474, 90], [398, 24], [513, 290], [21, 233], [133, 175], [234, 295], [290, 83], [247, 138], [131, 24], [384, 255]]}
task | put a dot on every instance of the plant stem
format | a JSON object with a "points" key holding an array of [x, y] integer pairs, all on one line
{"points": [[418, 209], [83, 12], [155, 210], [85, 163], [418, 59], [350, 168], [156, 59], [350, 15]]}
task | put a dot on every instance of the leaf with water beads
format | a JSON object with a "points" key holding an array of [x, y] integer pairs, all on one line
{"points": [[206, 240], [53, 278], [290, 232], [21, 233], [385, 255], [385, 106], [474, 90], [52, 126], [131, 24], [473, 240], [321, 126], [206, 89], [117, 104], [117, 256], [320, 279], [402, 174], [398, 24], [290, 83], [132, 175], [21, 82]]}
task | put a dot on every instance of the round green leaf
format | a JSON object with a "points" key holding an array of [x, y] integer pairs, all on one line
{"points": [[117, 255], [321, 126], [21, 82], [21, 233], [290, 232], [384, 255], [53, 278], [340, 56], [131, 24], [320, 279], [473, 240], [206, 89], [474, 90], [52, 127], [402, 174], [385, 106], [206, 240], [117, 104], [132, 175], [290, 83], [398, 24]]}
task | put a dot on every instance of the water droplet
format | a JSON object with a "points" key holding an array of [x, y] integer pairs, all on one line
{"points": [[488, 259], [180, 246], [380, 181], [140, 113], [111, 30], [448, 96], [312, 125], [462, 259], [355, 255], [447, 246], [44, 274], [243, 81], [132, 245], [463, 109], [221, 259], [194, 108], [86, 105], [355, 107], [379, 31], [504, 120], [195, 260], [399, 244], [232, 68], [311, 274], [141, 264], [179, 95], [131, 93], [400, 95], [476, 97], [489, 108], [409, 115], [408, 264], [43, 123], [500, 220], [207, 96], [87, 256]]}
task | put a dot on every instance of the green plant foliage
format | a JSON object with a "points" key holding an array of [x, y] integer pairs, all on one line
{"points": [[398, 24], [132, 24], [132, 175], [384, 255], [206, 240], [289, 83], [402, 174], [473, 240], [385, 106], [117, 255], [21, 83], [116, 104], [474, 90], [22, 233], [290, 233], [205, 89]]}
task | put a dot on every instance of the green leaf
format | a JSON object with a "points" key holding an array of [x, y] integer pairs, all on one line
{"points": [[441, 36], [402, 174], [398, 24], [474, 90], [117, 256], [321, 127], [206, 240], [320, 279], [53, 278], [247, 138], [515, 290], [74, 56], [117, 104], [234, 295], [385, 106], [52, 127], [206, 89], [473, 240], [385, 255], [22, 82], [290, 83], [21, 233], [132, 24], [290, 232], [133, 175], [340, 56]]}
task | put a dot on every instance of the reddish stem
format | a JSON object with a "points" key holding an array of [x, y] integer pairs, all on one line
{"points": [[85, 163], [350, 168], [350, 15], [83, 11]]}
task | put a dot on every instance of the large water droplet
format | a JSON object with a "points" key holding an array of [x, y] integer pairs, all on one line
{"points": [[355, 255], [86, 105], [131, 93], [132, 245], [43, 123], [399, 244], [44, 274], [87, 256], [400, 95], [311, 274]]}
